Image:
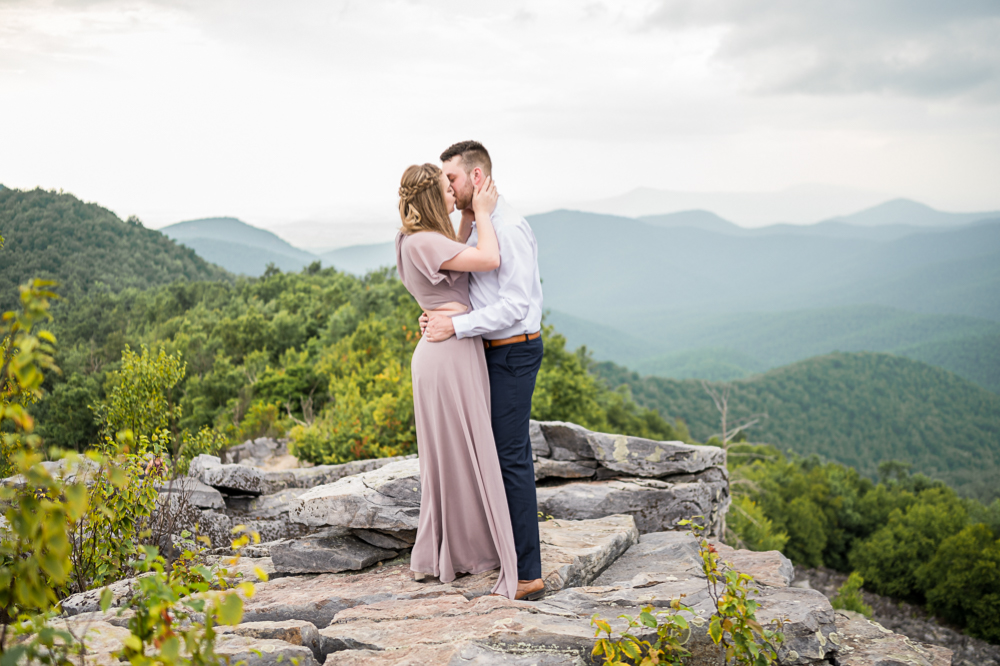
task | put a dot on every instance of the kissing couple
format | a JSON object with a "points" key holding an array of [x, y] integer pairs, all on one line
{"points": [[474, 371]]}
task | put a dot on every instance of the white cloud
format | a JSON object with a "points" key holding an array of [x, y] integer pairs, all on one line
{"points": [[277, 112]]}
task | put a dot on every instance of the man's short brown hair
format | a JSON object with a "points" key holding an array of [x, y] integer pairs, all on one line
{"points": [[473, 155]]}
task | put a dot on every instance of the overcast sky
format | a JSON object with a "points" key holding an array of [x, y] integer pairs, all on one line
{"points": [[279, 112]]}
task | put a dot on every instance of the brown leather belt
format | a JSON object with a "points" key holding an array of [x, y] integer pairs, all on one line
{"points": [[524, 337]]}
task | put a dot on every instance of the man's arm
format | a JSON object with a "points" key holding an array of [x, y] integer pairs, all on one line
{"points": [[515, 275]]}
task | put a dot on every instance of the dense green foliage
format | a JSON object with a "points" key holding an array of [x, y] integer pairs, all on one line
{"points": [[857, 409], [80, 528], [907, 536], [320, 354], [849, 596], [85, 248]]}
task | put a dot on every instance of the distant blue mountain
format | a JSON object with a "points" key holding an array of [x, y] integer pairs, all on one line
{"points": [[910, 213], [360, 259], [237, 246], [700, 219]]}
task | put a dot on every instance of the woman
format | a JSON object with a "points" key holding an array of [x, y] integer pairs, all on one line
{"points": [[464, 522]]}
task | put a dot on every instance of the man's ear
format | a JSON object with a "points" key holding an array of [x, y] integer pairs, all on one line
{"points": [[477, 176]]}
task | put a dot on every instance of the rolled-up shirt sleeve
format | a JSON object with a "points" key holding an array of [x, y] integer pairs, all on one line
{"points": [[515, 276]]}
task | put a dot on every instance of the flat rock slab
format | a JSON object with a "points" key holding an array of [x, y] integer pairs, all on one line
{"points": [[808, 614], [634, 456], [310, 477], [90, 601], [256, 449], [101, 639], [295, 632], [560, 626], [676, 553], [770, 567], [656, 505], [671, 553], [497, 625], [386, 499], [454, 654], [194, 492], [546, 468], [266, 507], [401, 624], [235, 479], [317, 599], [574, 552], [251, 651], [229, 479], [243, 569], [330, 551], [867, 643]]}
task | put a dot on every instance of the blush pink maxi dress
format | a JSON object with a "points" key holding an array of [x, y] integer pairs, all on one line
{"points": [[464, 521]]}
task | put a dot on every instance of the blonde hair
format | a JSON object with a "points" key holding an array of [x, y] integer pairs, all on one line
{"points": [[421, 201]]}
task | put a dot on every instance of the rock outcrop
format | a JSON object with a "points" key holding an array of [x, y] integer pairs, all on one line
{"points": [[386, 499], [620, 454], [588, 474], [337, 540], [329, 551], [227, 478], [656, 504]]}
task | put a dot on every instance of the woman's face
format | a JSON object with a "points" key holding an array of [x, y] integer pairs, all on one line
{"points": [[449, 194]]}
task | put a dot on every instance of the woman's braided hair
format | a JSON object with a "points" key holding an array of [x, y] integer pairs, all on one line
{"points": [[421, 201]]}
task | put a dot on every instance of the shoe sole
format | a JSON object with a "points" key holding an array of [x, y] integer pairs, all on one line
{"points": [[533, 596]]}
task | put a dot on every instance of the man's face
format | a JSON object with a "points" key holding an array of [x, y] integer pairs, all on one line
{"points": [[461, 181]]}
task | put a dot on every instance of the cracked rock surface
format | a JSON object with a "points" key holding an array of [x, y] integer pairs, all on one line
{"points": [[385, 499]]}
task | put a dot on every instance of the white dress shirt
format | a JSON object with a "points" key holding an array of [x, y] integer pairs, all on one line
{"points": [[508, 301]]}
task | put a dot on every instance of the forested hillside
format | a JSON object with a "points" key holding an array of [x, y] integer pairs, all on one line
{"points": [[86, 248], [269, 355], [858, 409]]}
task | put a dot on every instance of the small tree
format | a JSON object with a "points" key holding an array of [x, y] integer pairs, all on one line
{"points": [[139, 397], [849, 596]]}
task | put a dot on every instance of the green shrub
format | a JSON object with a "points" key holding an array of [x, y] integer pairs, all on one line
{"points": [[849, 596], [206, 440], [742, 640], [750, 528], [889, 560], [962, 581]]}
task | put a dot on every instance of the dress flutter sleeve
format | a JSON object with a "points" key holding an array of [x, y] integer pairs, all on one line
{"points": [[427, 250]]}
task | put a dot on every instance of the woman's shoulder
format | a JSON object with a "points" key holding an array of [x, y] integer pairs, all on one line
{"points": [[424, 239]]}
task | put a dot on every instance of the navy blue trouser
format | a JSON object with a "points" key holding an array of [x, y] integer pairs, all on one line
{"points": [[513, 369]]}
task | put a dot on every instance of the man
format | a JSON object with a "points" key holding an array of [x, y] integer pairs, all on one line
{"points": [[507, 313]]}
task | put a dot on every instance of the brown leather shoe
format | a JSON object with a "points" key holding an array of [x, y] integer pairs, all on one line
{"points": [[530, 590]]}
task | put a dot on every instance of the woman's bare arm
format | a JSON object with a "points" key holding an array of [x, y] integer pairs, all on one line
{"points": [[465, 226], [486, 255]]}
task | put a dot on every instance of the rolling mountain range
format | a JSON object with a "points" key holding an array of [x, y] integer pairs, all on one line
{"points": [[690, 294], [684, 301], [854, 406]]}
